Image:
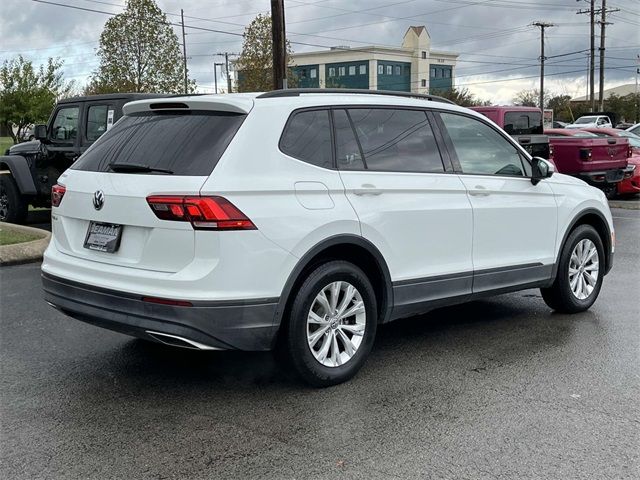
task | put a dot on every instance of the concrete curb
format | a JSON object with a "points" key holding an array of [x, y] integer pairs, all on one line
{"points": [[24, 252]]}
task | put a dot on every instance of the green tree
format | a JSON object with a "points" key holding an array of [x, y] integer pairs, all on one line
{"points": [[139, 52], [561, 107], [28, 94], [255, 64], [461, 96], [624, 107]]}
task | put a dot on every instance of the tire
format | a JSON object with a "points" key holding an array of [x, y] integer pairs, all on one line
{"points": [[561, 297], [610, 191], [305, 350], [13, 207]]}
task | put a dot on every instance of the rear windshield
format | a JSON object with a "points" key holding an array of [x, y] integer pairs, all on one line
{"points": [[184, 143], [523, 123], [583, 120]]}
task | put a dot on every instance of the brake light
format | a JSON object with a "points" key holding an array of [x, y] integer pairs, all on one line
{"points": [[204, 213], [57, 192], [585, 154]]}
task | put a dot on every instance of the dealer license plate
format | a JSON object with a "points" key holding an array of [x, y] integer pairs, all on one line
{"points": [[103, 237]]}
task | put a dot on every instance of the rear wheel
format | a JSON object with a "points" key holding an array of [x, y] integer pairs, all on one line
{"points": [[332, 324], [13, 208], [580, 272]]}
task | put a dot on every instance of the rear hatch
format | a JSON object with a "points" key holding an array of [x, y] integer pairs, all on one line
{"points": [[104, 215]]}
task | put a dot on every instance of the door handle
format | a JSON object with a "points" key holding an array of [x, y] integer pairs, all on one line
{"points": [[479, 191], [367, 189]]}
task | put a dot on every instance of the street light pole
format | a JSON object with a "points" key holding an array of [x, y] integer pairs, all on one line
{"points": [[215, 74], [542, 26]]}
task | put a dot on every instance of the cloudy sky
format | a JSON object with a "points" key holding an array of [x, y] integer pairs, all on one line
{"points": [[498, 47]]}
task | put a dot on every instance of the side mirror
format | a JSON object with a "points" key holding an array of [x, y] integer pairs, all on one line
{"points": [[541, 169], [40, 132]]}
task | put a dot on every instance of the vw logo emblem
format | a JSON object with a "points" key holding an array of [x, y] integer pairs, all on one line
{"points": [[98, 199]]}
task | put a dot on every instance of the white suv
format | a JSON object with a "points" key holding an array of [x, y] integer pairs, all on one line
{"points": [[303, 219]]}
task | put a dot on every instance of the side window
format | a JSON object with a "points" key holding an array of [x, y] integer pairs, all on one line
{"points": [[348, 155], [96, 121], [307, 137], [480, 149], [65, 125], [395, 140]]}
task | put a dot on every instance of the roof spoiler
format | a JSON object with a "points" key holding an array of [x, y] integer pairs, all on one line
{"points": [[241, 105]]}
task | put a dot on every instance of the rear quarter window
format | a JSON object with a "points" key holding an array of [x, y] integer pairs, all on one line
{"points": [[186, 143], [307, 137]]}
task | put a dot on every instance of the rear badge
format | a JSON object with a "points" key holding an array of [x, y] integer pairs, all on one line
{"points": [[98, 199]]}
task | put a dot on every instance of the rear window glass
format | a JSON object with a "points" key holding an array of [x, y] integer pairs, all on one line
{"points": [[186, 143], [523, 123]]}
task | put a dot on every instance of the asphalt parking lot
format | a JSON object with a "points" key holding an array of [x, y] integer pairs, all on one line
{"points": [[501, 388]]}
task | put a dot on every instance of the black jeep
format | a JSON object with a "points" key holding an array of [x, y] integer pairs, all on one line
{"points": [[29, 170]]}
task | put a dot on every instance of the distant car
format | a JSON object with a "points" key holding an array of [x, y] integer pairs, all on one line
{"points": [[27, 135], [631, 182], [624, 125], [596, 121], [559, 124], [635, 129]]}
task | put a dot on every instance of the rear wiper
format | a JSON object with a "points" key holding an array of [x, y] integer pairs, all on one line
{"points": [[136, 168]]}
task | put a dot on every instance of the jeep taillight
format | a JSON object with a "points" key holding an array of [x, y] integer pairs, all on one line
{"points": [[204, 213], [57, 192]]}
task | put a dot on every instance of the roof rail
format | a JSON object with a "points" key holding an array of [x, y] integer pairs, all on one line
{"points": [[296, 92]]}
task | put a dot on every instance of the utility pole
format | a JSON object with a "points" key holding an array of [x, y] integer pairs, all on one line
{"points": [[542, 26], [184, 52], [603, 23], [215, 74], [592, 64], [279, 41], [226, 62]]}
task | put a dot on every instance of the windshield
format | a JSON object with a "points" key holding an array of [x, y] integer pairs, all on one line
{"points": [[583, 120], [184, 143]]}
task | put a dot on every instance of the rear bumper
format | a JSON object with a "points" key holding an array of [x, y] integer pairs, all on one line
{"points": [[241, 325], [603, 177]]}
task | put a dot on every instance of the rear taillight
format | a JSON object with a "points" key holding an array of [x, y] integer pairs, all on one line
{"points": [[57, 192], [550, 152], [204, 213], [585, 154]]}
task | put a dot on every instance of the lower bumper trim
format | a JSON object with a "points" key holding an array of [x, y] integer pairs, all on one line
{"points": [[247, 325]]}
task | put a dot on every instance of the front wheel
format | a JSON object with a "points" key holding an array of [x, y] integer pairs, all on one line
{"points": [[332, 324], [13, 207], [580, 272]]}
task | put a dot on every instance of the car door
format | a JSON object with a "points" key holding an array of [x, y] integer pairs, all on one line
{"points": [[514, 221], [63, 134], [99, 117], [410, 205]]}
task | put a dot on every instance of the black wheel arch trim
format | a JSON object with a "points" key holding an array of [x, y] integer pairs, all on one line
{"points": [[606, 242], [21, 173], [305, 260]]}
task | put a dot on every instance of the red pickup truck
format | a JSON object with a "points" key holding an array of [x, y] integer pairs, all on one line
{"points": [[600, 162]]}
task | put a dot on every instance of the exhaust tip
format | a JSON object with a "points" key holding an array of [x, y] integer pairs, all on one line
{"points": [[176, 341]]}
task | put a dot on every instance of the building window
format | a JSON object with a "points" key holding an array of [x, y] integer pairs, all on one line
{"points": [[313, 73], [438, 73], [332, 72], [363, 69], [433, 73], [424, 55], [341, 71], [303, 73], [380, 69], [389, 70], [352, 69], [398, 70], [423, 82], [447, 73]]}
